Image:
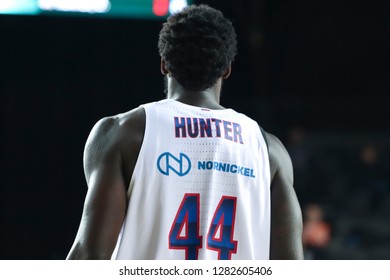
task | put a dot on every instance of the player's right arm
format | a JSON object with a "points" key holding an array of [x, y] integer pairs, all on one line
{"points": [[110, 155], [286, 215], [105, 202]]}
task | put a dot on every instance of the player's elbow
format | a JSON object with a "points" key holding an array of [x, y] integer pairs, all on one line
{"points": [[79, 252]]}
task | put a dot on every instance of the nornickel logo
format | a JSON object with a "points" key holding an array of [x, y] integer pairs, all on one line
{"points": [[168, 162]]}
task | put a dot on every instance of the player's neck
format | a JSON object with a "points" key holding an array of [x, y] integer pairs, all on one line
{"points": [[208, 98]]}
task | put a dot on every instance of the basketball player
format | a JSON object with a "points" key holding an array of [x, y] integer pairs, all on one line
{"points": [[185, 178]]}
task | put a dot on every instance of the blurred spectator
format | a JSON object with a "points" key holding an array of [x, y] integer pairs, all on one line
{"points": [[372, 184], [316, 232], [350, 175]]}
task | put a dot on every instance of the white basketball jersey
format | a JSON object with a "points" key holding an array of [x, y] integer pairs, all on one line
{"points": [[200, 188]]}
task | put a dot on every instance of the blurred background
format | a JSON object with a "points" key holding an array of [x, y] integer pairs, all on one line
{"points": [[314, 73]]}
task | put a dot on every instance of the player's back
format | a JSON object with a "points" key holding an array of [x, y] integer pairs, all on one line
{"points": [[200, 188]]}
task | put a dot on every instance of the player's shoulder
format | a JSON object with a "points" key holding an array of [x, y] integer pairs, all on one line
{"points": [[129, 118], [274, 142], [113, 129], [278, 155]]}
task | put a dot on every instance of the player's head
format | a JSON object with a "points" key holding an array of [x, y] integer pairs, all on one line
{"points": [[197, 46]]}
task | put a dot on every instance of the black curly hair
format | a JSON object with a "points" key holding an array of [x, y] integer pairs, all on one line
{"points": [[197, 45]]}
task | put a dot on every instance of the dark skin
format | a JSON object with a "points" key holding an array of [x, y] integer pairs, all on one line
{"points": [[110, 155]]}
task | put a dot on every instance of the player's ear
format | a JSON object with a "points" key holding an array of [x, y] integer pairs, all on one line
{"points": [[163, 69], [227, 72]]}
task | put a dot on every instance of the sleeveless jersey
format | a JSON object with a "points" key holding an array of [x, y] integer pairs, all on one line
{"points": [[200, 188]]}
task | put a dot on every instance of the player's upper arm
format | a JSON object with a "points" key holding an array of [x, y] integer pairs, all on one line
{"points": [[286, 216], [105, 203]]}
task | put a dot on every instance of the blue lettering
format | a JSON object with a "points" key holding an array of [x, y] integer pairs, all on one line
{"points": [[228, 130], [217, 128], [205, 128], [237, 133], [226, 167], [180, 128], [193, 130], [240, 170], [222, 167]]}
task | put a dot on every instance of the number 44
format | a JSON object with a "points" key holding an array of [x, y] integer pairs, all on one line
{"points": [[184, 234]]}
